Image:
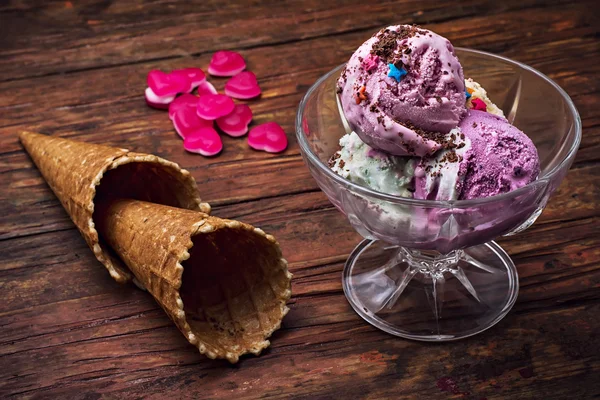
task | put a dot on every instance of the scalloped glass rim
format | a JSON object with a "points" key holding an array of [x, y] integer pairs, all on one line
{"points": [[301, 137]]}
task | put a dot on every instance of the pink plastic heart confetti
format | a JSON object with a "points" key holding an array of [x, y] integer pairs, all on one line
{"points": [[269, 137], [155, 101], [163, 84], [242, 86], [205, 141], [213, 106], [226, 63], [236, 122], [206, 88], [186, 121], [184, 101], [194, 75]]}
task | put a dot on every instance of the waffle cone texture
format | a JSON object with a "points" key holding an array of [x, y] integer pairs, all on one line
{"points": [[224, 283]]}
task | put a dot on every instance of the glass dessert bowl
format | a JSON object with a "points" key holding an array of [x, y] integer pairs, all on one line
{"points": [[430, 270]]}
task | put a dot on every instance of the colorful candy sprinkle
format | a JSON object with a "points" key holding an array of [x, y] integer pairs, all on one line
{"points": [[361, 95], [396, 73], [370, 62], [478, 104], [468, 92]]}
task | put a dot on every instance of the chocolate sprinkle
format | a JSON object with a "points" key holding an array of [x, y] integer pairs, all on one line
{"points": [[437, 137], [388, 40], [334, 157], [451, 156]]}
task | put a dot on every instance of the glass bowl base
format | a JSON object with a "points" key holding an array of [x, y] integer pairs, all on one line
{"points": [[423, 295]]}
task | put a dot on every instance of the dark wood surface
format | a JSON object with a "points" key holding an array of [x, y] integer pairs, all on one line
{"points": [[77, 69]]}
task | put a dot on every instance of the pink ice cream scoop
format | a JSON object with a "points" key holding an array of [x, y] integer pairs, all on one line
{"points": [[403, 90], [484, 156]]}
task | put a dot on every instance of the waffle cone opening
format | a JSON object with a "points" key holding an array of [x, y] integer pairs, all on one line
{"points": [[224, 283], [146, 181], [232, 288]]}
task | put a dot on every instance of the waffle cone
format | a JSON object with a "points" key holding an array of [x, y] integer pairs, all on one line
{"points": [[79, 173], [223, 283]]}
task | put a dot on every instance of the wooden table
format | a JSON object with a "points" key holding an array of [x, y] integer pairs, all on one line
{"points": [[77, 69]]}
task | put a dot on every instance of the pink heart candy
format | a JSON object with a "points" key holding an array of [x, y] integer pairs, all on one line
{"points": [[269, 137], [242, 86], [155, 101], [205, 141], [206, 88], [213, 106], [182, 111], [186, 121], [183, 102], [226, 63], [236, 122], [195, 76], [163, 84]]}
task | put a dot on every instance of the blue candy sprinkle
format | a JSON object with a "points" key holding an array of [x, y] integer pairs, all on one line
{"points": [[468, 95], [396, 73]]}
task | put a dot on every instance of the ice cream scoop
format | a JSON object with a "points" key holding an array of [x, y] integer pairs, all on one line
{"points": [[403, 90], [501, 157], [359, 163], [486, 156]]}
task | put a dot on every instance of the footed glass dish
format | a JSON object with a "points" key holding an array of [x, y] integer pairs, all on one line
{"points": [[430, 270]]}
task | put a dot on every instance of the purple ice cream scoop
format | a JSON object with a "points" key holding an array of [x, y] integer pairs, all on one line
{"points": [[484, 156], [403, 90], [501, 158]]}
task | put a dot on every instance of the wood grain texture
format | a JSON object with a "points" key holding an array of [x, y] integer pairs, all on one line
{"points": [[77, 69]]}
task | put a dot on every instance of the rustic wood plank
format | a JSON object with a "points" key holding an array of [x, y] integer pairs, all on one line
{"points": [[532, 342], [86, 35]]}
